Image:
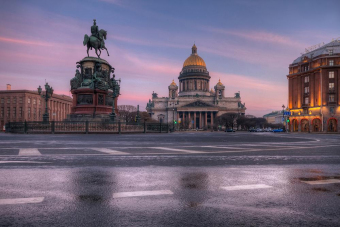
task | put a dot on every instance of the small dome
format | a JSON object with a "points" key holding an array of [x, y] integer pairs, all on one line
{"points": [[173, 83], [194, 59], [219, 83]]}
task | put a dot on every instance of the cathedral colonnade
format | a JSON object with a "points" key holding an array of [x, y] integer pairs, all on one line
{"points": [[196, 119]]}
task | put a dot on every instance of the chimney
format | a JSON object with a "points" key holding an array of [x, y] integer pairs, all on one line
{"points": [[8, 87]]}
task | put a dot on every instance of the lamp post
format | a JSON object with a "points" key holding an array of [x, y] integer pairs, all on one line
{"points": [[48, 94], [137, 116], [173, 113], [115, 94], [283, 113]]}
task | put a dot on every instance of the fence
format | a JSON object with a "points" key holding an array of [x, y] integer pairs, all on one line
{"points": [[84, 127]]}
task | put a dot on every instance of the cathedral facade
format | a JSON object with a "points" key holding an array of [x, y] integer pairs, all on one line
{"points": [[191, 104]]}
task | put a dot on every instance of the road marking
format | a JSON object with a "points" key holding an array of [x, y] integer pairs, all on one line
{"points": [[2, 162], [174, 149], [21, 200], [328, 181], [141, 193], [245, 187], [110, 151], [29, 151]]}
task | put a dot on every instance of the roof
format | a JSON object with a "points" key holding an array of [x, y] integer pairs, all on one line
{"points": [[334, 45]]}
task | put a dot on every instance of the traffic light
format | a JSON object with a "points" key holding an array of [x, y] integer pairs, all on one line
{"points": [[288, 120], [175, 121]]}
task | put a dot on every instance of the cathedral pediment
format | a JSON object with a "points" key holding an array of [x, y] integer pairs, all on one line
{"points": [[198, 104]]}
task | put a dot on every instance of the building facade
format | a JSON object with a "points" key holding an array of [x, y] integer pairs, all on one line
{"points": [[314, 92], [21, 105], [274, 117], [192, 104]]}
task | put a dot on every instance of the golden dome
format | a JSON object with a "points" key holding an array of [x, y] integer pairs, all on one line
{"points": [[173, 83], [219, 82], [194, 59]]}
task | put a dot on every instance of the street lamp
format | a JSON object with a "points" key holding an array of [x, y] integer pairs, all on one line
{"points": [[283, 113], [173, 113], [115, 94], [48, 94]]}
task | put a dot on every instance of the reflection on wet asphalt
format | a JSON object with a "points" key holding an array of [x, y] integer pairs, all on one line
{"points": [[84, 196]]}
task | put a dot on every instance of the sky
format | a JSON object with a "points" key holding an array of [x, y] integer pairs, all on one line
{"points": [[247, 44]]}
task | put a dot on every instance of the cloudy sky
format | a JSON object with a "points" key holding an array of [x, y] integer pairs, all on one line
{"points": [[247, 44]]}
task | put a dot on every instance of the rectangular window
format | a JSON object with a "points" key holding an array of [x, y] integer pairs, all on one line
{"points": [[34, 101], [14, 112], [331, 75], [39, 113], [39, 101], [29, 100], [2, 100], [306, 100], [20, 111], [29, 112], [330, 52], [306, 90], [2, 112], [331, 86], [331, 98], [331, 109], [20, 100], [14, 100], [8, 100], [307, 79], [331, 62], [8, 112], [34, 113]]}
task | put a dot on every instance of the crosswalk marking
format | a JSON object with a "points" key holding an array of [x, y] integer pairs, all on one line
{"points": [[245, 187], [110, 151], [328, 181], [141, 193], [175, 149], [29, 152], [3, 162], [21, 200]]}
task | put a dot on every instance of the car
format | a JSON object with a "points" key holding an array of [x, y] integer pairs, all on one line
{"points": [[229, 130], [252, 130], [259, 130], [278, 130]]}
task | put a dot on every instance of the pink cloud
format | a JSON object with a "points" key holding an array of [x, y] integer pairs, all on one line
{"points": [[24, 42], [261, 36]]}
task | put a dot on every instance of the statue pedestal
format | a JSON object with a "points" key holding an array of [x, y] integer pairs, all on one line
{"points": [[92, 90]]}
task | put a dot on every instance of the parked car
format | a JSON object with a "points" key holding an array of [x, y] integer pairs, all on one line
{"points": [[229, 130], [252, 130], [259, 130], [278, 130]]}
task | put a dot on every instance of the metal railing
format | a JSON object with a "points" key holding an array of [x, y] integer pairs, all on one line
{"points": [[84, 127]]}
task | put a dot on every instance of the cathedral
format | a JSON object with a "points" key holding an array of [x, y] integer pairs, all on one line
{"points": [[191, 104]]}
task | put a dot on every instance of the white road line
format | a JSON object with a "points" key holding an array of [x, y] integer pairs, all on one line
{"points": [[21, 200], [2, 162], [29, 152], [110, 151], [141, 193], [328, 181], [245, 187], [174, 149]]}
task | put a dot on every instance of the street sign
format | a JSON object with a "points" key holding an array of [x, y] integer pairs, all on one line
{"points": [[287, 113]]}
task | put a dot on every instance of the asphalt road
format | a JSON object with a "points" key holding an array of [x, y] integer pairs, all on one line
{"points": [[174, 179]]}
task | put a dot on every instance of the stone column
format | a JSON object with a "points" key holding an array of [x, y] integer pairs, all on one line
{"points": [[190, 125], [200, 122], [212, 119], [206, 119], [195, 120]]}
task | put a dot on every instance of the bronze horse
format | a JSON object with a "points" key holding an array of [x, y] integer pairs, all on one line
{"points": [[97, 44]]}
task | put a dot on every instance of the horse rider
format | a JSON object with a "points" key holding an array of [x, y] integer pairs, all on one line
{"points": [[95, 32]]}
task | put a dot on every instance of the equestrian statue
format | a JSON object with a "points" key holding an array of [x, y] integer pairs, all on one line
{"points": [[96, 40]]}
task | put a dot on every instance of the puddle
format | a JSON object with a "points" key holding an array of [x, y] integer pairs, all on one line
{"points": [[316, 178], [90, 198], [321, 189]]}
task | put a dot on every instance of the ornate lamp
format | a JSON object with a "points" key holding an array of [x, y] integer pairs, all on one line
{"points": [[47, 96]]}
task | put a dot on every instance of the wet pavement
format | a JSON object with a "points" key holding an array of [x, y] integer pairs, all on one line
{"points": [[178, 179]]}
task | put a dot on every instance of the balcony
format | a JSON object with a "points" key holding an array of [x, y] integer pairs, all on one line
{"points": [[331, 90]]}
